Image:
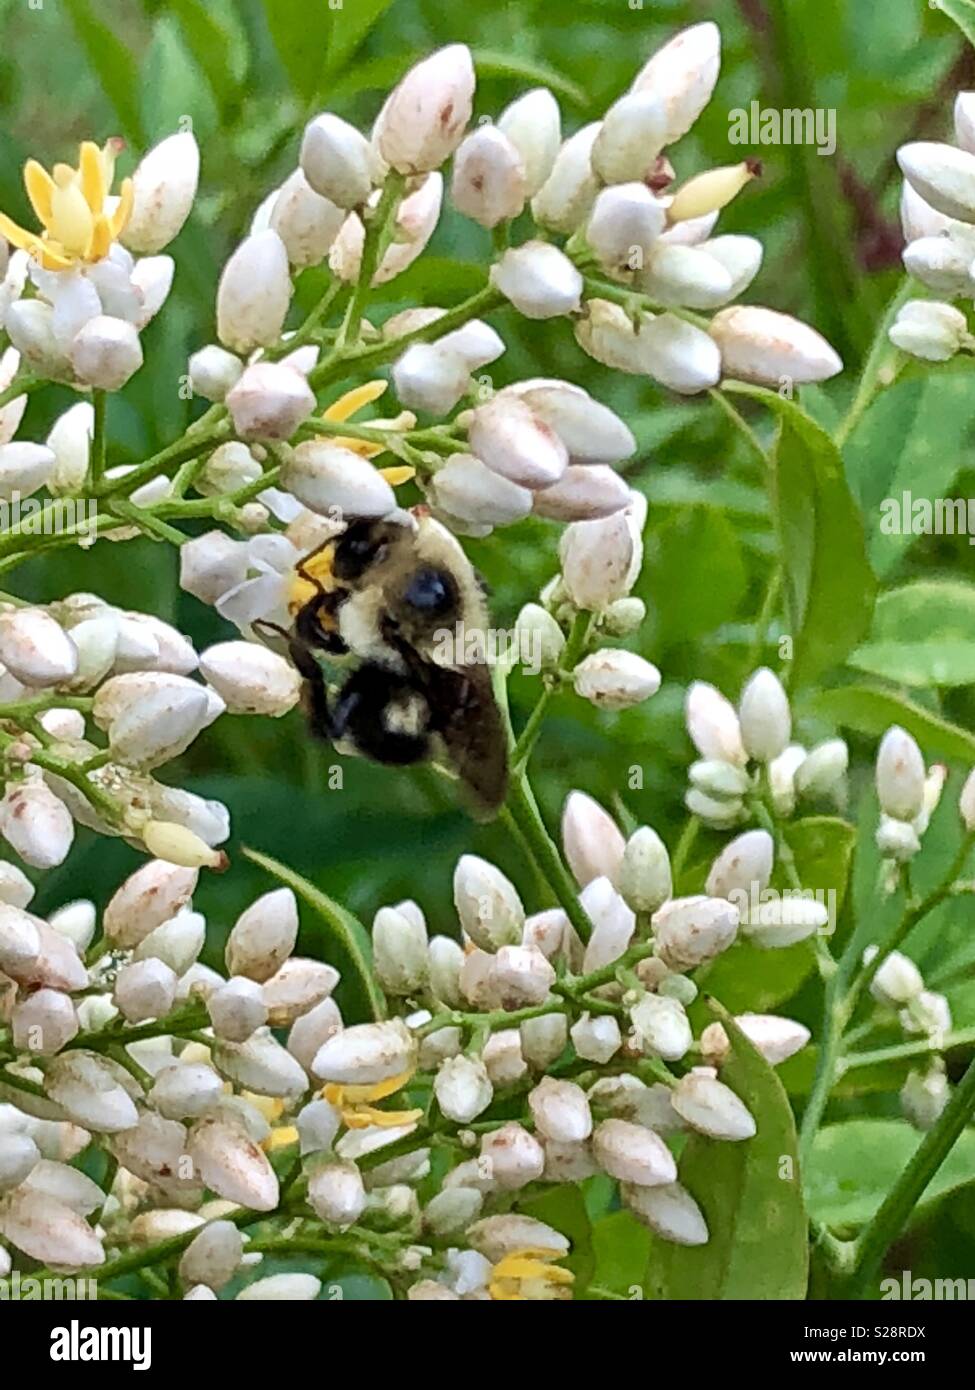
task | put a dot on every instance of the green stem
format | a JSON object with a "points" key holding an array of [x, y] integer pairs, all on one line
{"points": [[873, 379], [99, 440], [890, 1220], [528, 818], [378, 226], [741, 425], [904, 1052]]}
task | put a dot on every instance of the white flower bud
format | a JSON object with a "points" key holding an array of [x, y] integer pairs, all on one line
{"points": [[430, 379], [683, 74], [512, 441], [632, 134], [942, 175], [425, 117], [57, 964], [89, 1090], [660, 1027], [19, 1155], [333, 480], [489, 178], [568, 193], [561, 1111], [539, 641], [164, 186], [20, 941], [898, 980], [70, 442], [263, 936], [591, 840], [150, 896], [522, 976], [366, 1053], [596, 1038], [928, 330], [713, 724], [211, 564], [280, 1288], [711, 1107], [254, 293], [966, 804], [600, 560], [614, 679], [251, 678], [784, 920], [45, 1022], [766, 721], [498, 1236], [503, 1058], [516, 1157], [338, 161], [212, 1257], [439, 1046], [633, 1154], [185, 1090], [296, 988], [213, 371], [919, 219], [416, 222], [766, 347], [36, 824], [719, 780], [613, 924], [35, 648], [533, 124], [590, 431], [743, 867], [542, 1040], [237, 1009], [690, 931], [462, 1088], [488, 906], [30, 327], [260, 1064], [451, 1211], [944, 264], [539, 280], [965, 121], [686, 275], [16, 889], [777, 1039], [399, 945], [924, 1095], [900, 775], [312, 1030], [823, 771], [159, 725], [269, 401], [669, 1210], [897, 840], [49, 1232], [145, 989], [106, 353], [231, 1165], [626, 221], [318, 1123], [24, 468], [306, 222], [76, 921], [929, 1014], [336, 1194], [644, 878], [446, 959]]}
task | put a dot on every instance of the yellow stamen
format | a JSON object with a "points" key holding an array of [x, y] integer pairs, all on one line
{"points": [[271, 1107], [280, 1138], [529, 1266], [40, 187], [119, 219], [354, 1103], [346, 406], [367, 1117], [101, 239], [71, 221], [91, 167], [397, 474], [365, 448]]}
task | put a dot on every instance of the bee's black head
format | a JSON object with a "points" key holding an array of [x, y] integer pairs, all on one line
{"points": [[431, 592], [362, 545]]}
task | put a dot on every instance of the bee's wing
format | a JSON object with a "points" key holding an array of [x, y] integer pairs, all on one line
{"points": [[468, 720]]}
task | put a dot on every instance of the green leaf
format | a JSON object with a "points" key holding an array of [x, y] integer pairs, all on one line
{"points": [[491, 62], [749, 979], [830, 587], [114, 66], [341, 928], [564, 1208], [300, 30], [218, 42], [701, 546], [750, 1194], [855, 1163], [621, 1247], [870, 709], [350, 25], [172, 85], [922, 635], [962, 12]]}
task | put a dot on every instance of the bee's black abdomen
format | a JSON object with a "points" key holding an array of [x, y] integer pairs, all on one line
{"points": [[383, 715]]}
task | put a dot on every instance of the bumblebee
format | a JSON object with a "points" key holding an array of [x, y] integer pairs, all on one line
{"points": [[399, 599]]}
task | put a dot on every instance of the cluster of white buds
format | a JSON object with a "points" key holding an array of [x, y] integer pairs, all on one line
{"points": [[92, 297], [759, 732], [898, 987], [937, 217], [908, 793]]}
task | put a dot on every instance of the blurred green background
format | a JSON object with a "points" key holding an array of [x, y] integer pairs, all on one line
{"points": [[248, 74]]}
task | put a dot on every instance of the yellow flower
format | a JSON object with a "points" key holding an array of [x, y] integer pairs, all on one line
{"points": [[354, 1103], [530, 1275], [350, 404], [70, 205]]}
